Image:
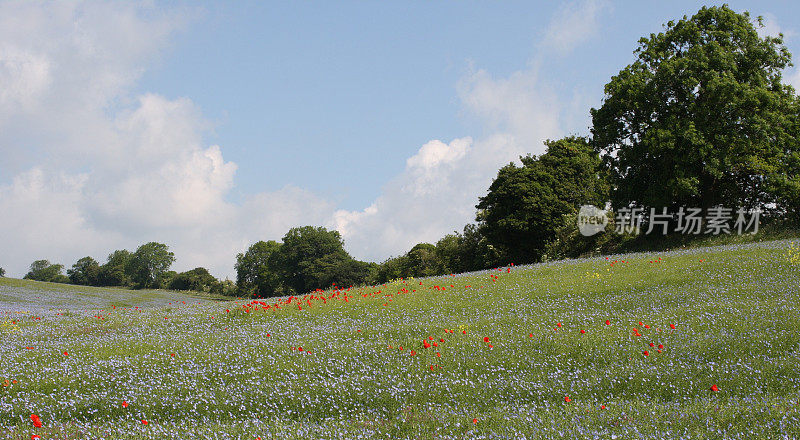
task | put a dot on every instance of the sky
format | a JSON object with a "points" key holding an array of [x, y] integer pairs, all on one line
{"points": [[209, 126]]}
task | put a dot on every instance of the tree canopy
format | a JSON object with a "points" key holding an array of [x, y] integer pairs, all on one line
{"points": [[43, 270], [525, 205], [85, 272], [148, 262], [701, 117]]}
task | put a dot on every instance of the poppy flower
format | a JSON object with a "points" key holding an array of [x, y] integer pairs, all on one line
{"points": [[530, 335], [35, 436], [559, 324], [124, 404], [567, 399], [37, 422], [608, 322], [602, 407], [672, 326], [660, 347], [474, 421], [646, 353], [714, 388], [65, 353], [583, 331], [486, 339], [652, 344], [144, 422]]}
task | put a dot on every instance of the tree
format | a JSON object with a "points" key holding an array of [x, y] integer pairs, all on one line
{"points": [[524, 205], [84, 272], [148, 262], [2, 272], [115, 271], [421, 261], [257, 271], [197, 279], [301, 251], [43, 270], [701, 117]]}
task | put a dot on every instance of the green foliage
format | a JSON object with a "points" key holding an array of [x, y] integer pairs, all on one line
{"points": [[303, 251], [197, 279], [702, 118], [2, 272], [524, 205], [114, 272], [421, 261], [85, 272], [257, 270], [148, 263], [43, 270]]}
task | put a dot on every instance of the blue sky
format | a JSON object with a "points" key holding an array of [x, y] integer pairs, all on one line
{"points": [[211, 125]]}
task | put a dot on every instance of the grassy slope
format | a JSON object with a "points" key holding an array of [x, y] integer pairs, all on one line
{"points": [[200, 369]]}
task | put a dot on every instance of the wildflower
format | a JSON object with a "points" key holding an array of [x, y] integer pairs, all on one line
{"points": [[567, 399], [486, 339], [672, 326], [530, 335], [559, 325], [144, 422], [646, 353], [583, 331], [124, 403], [37, 422], [714, 388], [660, 346], [474, 421], [608, 322]]}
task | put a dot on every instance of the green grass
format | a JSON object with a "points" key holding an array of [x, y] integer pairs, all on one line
{"points": [[209, 370]]}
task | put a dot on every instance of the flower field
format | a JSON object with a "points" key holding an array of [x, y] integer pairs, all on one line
{"points": [[701, 343]]}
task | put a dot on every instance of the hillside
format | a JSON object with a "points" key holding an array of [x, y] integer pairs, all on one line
{"points": [[687, 344]]}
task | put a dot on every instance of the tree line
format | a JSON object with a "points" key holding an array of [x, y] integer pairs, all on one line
{"points": [[701, 118]]}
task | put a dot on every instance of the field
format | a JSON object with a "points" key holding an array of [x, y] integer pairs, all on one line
{"points": [[700, 343]]}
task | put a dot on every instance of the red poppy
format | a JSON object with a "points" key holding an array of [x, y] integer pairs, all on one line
{"points": [[530, 335], [646, 353], [474, 421], [124, 404], [567, 399], [672, 326], [608, 322], [35, 437], [660, 347], [486, 339], [652, 344], [602, 407], [66, 354], [583, 331], [714, 388], [37, 422], [144, 422], [559, 324]]}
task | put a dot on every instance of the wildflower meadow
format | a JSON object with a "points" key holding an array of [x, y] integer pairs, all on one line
{"points": [[700, 343]]}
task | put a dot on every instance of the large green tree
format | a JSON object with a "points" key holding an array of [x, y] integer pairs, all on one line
{"points": [[115, 271], [701, 117], [524, 205], [257, 271], [85, 272], [148, 262], [302, 251], [197, 279], [44, 270]]}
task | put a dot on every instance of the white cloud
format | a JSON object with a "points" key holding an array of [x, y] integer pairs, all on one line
{"points": [[573, 24], [92, 167]]}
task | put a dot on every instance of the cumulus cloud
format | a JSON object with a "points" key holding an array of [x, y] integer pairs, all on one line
{"points": [[90, 167]]}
